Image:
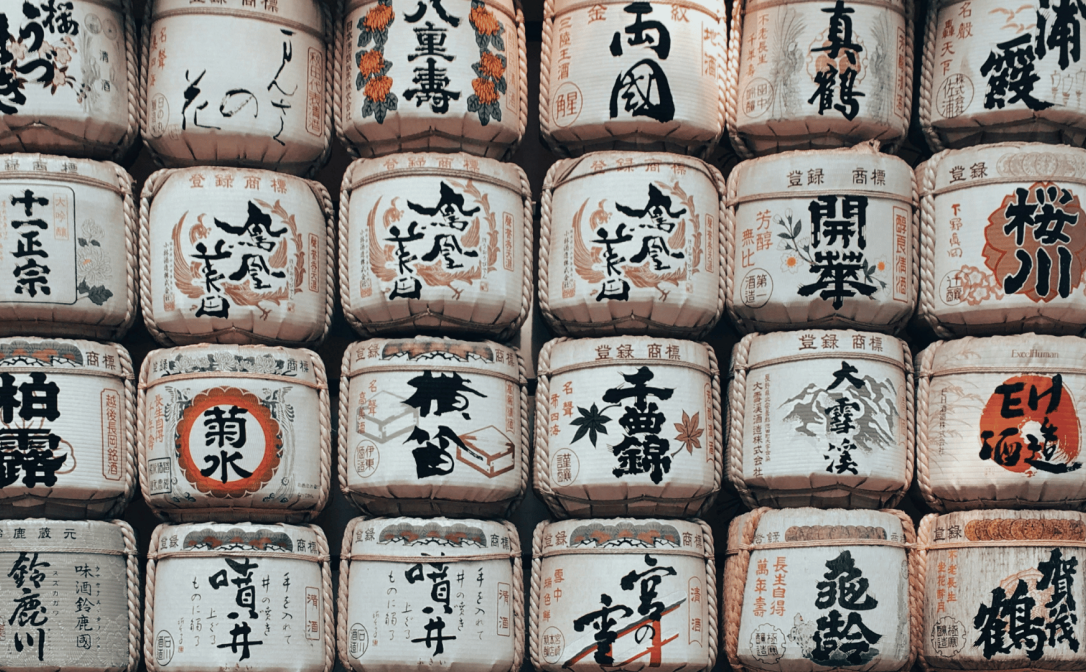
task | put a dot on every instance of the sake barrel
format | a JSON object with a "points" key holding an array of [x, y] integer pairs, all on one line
{"points": [[816, 74], [478, 571], [823, 238], [433, 426], [264, 101], [234, 432], [997, 422], [845, 575], [69, 228], [236, 256], [641, 76], [441, 76], [840, 434], [632, 243], [67, 428], [621, 593], [627, 425], [242, 595], [436, 243], [1001, 590], [1003, 244], [71, 589], [69, 84], [1001, 72]]}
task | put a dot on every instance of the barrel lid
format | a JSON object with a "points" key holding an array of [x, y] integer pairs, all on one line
{"points": [[62, 354], [425, 353], [1001, 163], [998, 526], [432, 164], [23, 166], [807, 173], [444, 539], [505, 6], [616, 164], [64, 536], [267, 180], [603, 536], [305, 13], [213, 360], [810, 344], [714, 8], [806, 526], [1018, 354], [305, 542], [625, 351]]}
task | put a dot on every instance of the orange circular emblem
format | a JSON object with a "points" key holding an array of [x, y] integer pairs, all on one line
{"points": [[1029, 425], [228, 444]]}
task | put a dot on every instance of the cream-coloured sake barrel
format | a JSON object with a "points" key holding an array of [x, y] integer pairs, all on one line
{"points": [[627, 426], [234, 432], [68, 235], [632, 243], [235, 255], [1001, 71], [72, 589], [1001, 590], [824, 239], [997, 422], [70, 81], [464, 579], [817, 74], [239, 84], [640, 76], [67, 428], [438, 243], [1003, 240], [433, 426], [238, 596], [808, 589], [838, 434], [620, 593], [441, 76]]}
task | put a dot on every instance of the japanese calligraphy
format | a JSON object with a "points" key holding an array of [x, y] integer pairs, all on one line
{"points": [[28, 448], [27, 56], [245, 600], [643, 89], [1030, 425], [838, 65], [30, 611], [844, 639]]}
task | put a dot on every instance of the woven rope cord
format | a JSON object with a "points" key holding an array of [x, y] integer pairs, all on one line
{"points": [[737, 399], [522, 89], [344, 419], [345, 290], [735, 577], [545, 88], [916, 595], [721, 58], [527, 291], [735, 44], [149, 604], [926, 310], [910, 424], [131, 250], [923, 473], [728, 254], [131, 57], [344, 594], [525, 440], [326, 598], [150, 188], [145, 68], [927, 79], [717, 417], [723, 285], [132, 573], [545, 201], [142, 446], [918, 580], [710, 593], [131, 459], [517, 597], [542, 483], [317, 364], [328, 206], [535, 655], [914, 254], [910, 67]]}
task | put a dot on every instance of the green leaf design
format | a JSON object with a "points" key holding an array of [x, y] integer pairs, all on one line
{"points": [[82, 288], [796, 230], [591, 422], [99, 295]]}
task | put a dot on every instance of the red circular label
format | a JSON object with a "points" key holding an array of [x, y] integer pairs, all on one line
{"points": [[1029, 425], [228, 444]]}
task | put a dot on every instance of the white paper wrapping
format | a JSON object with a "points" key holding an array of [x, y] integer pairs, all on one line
{"points": [[822, 238], [644, 76], [71, 591], [238, 83], [236, 256], [627, 425], [975, 565], [808, 589], [433, 426], [67, 428], [238, 596], [632, 243], [1003, 240], [70, 80], [840, 434], [440, 243], [420, 593], [998, 422], [818, 74], [448, 76], [67, 245], [234, 433], [621, 593], [1001, 71]]}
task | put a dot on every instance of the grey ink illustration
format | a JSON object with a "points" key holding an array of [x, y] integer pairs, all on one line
{"points": [[94, 268]]}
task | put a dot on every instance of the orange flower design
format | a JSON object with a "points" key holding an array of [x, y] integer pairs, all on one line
{"points": [[484, 89], [491, 65], [377, 89], [484, 21], [378, 18], [371, 63]]}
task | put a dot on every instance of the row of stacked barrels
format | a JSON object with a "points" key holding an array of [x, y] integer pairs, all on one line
{"points": [[798, 585]]}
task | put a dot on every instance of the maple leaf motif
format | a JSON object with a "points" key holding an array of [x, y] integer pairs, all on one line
{"points": [[591, 422], [689, 432]]}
